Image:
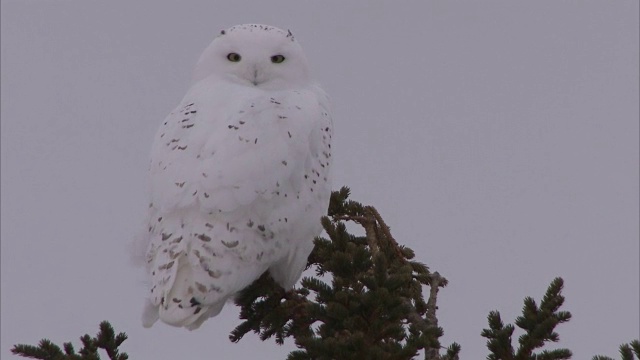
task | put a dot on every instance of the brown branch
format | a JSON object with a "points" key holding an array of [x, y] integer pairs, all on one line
{"points": [[436, 282], [369, 226], [386, 231]]}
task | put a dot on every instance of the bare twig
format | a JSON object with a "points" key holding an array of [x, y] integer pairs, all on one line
{"points": [[386, 231], [437, 281]]}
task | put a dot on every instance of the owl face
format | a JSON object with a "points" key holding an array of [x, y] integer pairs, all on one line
{"points": [[256, 56]]}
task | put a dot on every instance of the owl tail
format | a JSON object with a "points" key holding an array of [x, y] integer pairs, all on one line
{"points": [[178, 307]]}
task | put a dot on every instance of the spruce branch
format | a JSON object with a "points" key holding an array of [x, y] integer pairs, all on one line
{"points": [[539, 324], [105, 339], [628, 351]]}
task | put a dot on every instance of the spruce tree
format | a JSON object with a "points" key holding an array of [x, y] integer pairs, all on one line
{"points": [[371, 305]]}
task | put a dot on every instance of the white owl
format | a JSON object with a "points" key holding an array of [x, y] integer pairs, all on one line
{"points": [[239, 176]]}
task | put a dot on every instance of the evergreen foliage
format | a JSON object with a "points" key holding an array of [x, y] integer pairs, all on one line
{"points": [[627, 352], [105, 339], [538, 323], [366, 302], [370, 307]]}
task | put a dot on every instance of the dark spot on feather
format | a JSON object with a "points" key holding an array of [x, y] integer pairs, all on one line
{"points": [[204, 237], [166, 266], [230, 244], [201, 287]]}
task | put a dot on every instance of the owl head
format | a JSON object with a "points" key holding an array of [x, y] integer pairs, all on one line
{"points": [[255, 55]]}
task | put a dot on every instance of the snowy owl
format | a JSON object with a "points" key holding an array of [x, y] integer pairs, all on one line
{"points": [[239, 176]]}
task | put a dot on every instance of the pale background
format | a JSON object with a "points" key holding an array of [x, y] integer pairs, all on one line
{"points": [[499, 140]]}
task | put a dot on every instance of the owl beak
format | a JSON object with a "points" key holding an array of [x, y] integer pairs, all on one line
{"points": [[255, 77]]}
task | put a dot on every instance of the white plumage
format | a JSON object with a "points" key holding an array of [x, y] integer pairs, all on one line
{"points": [[239, 176]]}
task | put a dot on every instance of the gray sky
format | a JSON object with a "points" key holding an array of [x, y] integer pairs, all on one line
{"points": [[499, 141]]}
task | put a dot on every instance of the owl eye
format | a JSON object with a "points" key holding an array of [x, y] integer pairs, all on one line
{"points": [[277, 59], [234, 57]]}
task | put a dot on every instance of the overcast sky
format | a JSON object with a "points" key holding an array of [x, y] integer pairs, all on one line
{"points": [[498, 140]]}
